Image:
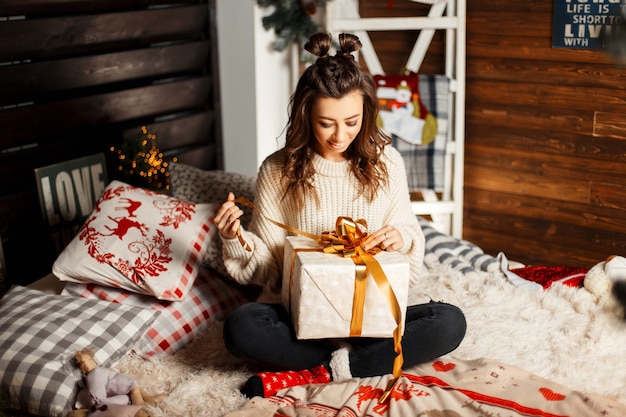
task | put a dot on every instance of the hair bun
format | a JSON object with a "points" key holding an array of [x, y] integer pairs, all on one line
{"points": [[349, 43], [319, 44]]}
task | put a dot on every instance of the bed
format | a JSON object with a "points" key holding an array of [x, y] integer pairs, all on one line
{"points": [[528, 351]]}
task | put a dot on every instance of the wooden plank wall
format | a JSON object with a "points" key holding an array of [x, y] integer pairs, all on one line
{"points": [[76, 76], [545, 155], [545, 162]]}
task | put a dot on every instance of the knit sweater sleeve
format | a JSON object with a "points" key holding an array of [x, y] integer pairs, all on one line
{"points": [[262, 265], [401, 216]]}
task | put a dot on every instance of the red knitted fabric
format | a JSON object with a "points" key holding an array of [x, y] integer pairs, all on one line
{"points": [[547, 275], [275, 381]]}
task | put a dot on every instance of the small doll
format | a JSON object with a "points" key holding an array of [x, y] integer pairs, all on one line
{"points": [[112, 394]]}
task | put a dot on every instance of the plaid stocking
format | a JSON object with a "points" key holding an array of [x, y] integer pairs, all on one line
{"points": [[266, 384]]}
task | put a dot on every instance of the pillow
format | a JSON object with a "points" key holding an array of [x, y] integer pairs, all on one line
{"points": [[139, 240], [209, 299], [461, 255], [199, 186], [40, 334]]}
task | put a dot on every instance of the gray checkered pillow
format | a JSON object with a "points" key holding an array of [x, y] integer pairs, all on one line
{"points": [[200, 186], [39, 334]]}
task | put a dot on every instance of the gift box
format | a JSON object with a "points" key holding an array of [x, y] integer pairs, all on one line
{"points": [[318, 289]]}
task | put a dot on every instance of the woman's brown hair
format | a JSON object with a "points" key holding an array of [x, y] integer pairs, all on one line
{"points": [[333, 76]]}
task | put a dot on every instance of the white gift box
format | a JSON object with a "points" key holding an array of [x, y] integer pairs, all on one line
{"points": [[319, 289]]}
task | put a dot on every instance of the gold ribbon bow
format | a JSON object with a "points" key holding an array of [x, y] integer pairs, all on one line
{"points": [[345, 241]]}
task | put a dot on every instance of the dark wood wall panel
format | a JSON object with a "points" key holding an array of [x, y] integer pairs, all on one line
{"points": [[51, 37], [76, 76], [545, 153], [20, 83], [23, 123], [45, 7]]}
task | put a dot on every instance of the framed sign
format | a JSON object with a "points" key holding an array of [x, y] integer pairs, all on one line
{"points": [[584, 24], [68, 192]]}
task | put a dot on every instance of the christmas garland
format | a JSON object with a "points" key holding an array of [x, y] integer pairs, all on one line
{"points": [[291, 20]]}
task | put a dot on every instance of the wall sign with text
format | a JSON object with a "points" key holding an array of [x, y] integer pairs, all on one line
{"points": [[68, 192], [583, 24]]}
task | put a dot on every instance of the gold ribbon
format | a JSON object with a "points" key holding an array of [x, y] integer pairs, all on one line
{"points": [[345, 241]]}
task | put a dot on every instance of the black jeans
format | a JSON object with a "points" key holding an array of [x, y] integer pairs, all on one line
{"points": [[263, 335]]}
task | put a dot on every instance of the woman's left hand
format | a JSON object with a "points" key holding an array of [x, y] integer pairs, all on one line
{"points": [[387, 238]]}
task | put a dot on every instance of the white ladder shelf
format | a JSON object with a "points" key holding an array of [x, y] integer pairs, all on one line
{"points": [[446, 211]]}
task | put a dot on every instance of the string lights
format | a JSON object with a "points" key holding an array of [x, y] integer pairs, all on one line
{"points": [[141, 163]]}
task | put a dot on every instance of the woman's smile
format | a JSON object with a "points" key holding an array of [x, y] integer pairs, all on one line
{"points": [[337, 145]]}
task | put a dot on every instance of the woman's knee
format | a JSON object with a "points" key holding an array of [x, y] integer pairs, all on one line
{"points": [[444, 322], [237, 325], [453, 320], [249, 323]]}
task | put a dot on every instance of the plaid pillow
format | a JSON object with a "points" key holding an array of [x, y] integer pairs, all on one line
{"points": [[40, 334], [210, 299], [141, 241]]}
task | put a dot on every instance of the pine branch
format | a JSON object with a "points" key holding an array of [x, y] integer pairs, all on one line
{"points": [[290, 21]]}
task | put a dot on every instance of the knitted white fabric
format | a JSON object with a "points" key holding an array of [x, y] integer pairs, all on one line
{"points": [[340, 364], [338, 194]]}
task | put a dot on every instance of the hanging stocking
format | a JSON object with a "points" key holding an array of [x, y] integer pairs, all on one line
{"points": [[402, 112]]}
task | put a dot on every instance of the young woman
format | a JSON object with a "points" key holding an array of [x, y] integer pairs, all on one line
{"points": [[336, 162]]}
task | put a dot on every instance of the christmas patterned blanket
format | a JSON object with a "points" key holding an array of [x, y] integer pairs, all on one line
{"points": [[446, 387]]}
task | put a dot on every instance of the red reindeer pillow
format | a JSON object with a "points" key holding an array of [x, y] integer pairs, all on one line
{"points": [[141, 241]]}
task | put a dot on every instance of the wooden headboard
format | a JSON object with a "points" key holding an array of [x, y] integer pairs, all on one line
{"points": [[75, 77]]}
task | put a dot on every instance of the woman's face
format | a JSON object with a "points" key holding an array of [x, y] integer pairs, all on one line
{"points": [[336, 122]]}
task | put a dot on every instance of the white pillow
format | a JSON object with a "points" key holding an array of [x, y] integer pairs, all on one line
{"points": [[139, 240]]}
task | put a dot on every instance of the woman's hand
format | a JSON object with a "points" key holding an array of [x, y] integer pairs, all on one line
{"points": [[227, 218], [387, 238]]}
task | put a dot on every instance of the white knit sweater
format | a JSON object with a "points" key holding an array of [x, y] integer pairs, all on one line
{"points": [[338, 195]]}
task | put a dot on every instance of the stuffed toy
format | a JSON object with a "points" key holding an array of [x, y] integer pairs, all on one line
{"points": [[111, 394], [607, 282]]}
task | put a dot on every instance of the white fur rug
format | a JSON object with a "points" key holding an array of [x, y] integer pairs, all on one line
{"points": [[559, 334]]}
